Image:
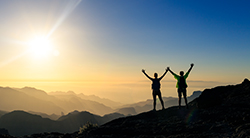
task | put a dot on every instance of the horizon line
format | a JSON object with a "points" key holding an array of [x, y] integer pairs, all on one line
{"points": [[56, 80]]}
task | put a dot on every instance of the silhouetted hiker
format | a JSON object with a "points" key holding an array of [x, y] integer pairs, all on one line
{"points": [[181, 84], [156, 85]]}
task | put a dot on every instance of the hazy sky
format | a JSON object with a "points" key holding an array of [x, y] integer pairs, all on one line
{"points": [[100, 46]]}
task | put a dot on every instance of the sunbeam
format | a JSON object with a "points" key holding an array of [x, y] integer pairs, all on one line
{"points": [[36, 46], [68, 9], [6, 62]]}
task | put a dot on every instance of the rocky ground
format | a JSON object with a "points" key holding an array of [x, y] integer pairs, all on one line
{"points": [[219, 112]]}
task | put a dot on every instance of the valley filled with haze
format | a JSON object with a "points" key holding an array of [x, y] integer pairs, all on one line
{"points": [[25, 111], [61, 103]]}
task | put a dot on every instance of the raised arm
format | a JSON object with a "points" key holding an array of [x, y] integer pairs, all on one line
{"points": [[171, 71], [175, 75], [164, 74], [191, 66], [143, 71]]}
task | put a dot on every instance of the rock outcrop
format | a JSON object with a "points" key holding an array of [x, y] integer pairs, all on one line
{"points": [[219, 112], [4, 131]]}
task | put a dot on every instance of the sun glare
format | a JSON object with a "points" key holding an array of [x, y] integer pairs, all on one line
{"points": [[41, 47]]}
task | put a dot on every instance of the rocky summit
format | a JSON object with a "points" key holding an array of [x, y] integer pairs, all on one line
{"points": [[218, 112]]}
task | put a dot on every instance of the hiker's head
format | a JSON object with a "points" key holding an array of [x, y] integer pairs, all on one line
{"points": [[181, 73], [155, 75]]}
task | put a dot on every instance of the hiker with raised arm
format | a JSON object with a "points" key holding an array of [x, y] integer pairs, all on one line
{"points": [[156, 85], [182, 84]]}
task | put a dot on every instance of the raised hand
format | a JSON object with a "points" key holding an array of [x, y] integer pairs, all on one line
{"points": [[192, 64], [143, 70]]}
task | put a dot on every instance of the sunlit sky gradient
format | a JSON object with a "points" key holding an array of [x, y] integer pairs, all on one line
{"points": [[102, 45]]}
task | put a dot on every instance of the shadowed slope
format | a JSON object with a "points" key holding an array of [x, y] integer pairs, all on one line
{"points": [[20, 123]]}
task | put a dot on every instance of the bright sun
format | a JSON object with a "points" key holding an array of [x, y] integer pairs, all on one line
{"points": [[41, 47]]}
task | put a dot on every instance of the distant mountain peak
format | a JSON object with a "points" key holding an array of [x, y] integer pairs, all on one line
{"points": [[31, 88], [27, 89], [246, 81], [74, 112], [195, 92], [71, 92]]}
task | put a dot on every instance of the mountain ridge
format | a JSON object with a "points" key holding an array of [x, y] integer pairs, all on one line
{"points": [[95, 98], [38, 101], [20, 123], [32, 99], [23, 101]]}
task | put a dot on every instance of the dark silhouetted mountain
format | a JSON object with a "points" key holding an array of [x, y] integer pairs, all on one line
{"points": [[127, 111], [43, 115], [3, 132], [145, 106], [195, 94], [74, 120], [231, 95], [2, 113], [112, 116], [20, 123]]}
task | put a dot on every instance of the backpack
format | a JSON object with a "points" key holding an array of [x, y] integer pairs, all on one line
{"points": [[182, 82], [156, 84]]}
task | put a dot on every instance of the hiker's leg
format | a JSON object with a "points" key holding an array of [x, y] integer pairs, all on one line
{"points": [[154, 98], [162, 103], [179, 95], [185, 97]]}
